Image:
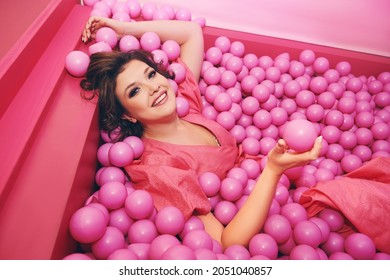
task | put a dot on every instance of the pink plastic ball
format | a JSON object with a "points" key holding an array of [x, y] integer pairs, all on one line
{"points": [[382, 99], [112, 195], [335, 243], [121, 16], [111, 241], [226, 119], [135, 8], [251, 146], [142, 231], [318, 84], [193, 223], [234, 64], [78, 256], [160, 14], [300, 135], [223, 43], [136, 144], [120, 220], [121, 154], [263, 244], [262, 119], [228, 79], [99, 47], [172, 49], [354, 84], [294, 213], [179, 252], [321, 65], [237, 252], [251, 167], [123, 254], [169, 220], [323, 226], [265, 61], [334, 218], [76, 63], [196, 239], [305, 98], [237, 48], [160, 58], [350, 163], [304, 252], [307, 232], [331, 134], [87, 224], [225, 211], [139, 205], [161, 244], [250, 105], [296, 69], [214, 55], [212, 76], [150, 41], [315, 113], [278, 227], [102, 154], [360, 246], [307, 57], [231, 189], [340, 256], [109, 174], [380, 131], [183, 14], [223, 102], [108, 35], [210, 183], [182, 106], [205, 254], [343, 67], [148, 10]]}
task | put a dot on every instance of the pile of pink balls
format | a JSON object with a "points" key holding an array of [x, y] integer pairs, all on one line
{"points": [[256, 99]]}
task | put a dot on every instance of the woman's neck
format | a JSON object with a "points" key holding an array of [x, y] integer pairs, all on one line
{"points": [[159, 131]]}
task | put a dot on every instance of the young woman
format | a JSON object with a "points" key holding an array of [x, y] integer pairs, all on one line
{"points": [[135, 95]]}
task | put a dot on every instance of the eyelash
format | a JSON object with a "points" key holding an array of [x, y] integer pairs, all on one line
{"points": [[135, 90]]}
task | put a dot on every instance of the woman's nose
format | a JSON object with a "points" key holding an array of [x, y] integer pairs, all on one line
{"points": [[153, 88]]}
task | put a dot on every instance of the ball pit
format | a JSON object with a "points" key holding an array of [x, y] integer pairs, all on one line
{"points": [[280, 97]]}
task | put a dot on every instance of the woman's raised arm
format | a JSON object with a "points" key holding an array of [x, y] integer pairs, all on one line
{"points": [[186, 33]]}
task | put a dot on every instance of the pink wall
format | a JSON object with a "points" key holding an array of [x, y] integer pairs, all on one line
{"points": [[362, 25]]}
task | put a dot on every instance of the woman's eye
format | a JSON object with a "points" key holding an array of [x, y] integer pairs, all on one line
{"points": [[134, 92], [152, 74]]}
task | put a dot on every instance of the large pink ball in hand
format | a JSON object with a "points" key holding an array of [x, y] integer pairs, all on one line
{"points": [[300, 135]]}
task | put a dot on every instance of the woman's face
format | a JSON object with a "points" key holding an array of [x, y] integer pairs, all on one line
{"points": [[146, 95]]}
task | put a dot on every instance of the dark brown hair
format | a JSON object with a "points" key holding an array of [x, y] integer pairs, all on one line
{"points": [[100, 82]]}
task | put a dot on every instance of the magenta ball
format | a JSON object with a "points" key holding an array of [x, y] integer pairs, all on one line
{"points": [[112, 195], [169, 220], [223, 102], [123, 254], [150, 41], [223, 43], [196, 239], [251, 146], [102, 154], [307, 232], [140, 249], [136, 144], [226, 119], [139, 204], [210, 183], [161, 244], [335, 243], [214, 55], [107, 35], [304, 252], [234, 64], [182, 106], [323, 226], [350, 163], [179, 252], [111, 241], [263, 244], [340, 256], [212, 76], [111, 173], [193, 223], [120, 154], [77, 256], [142, 231], [205, 254], [294, 212], [360, 246], [251, 167], [225, 211], [307, 57], [364, 119], [237, 252], [128, 43], [120, 220], [87, 224], [380, 131], [231, 189], [76, 63], [99, 47], [278, 227], [172, 49], [334, 218], [299, 135]]}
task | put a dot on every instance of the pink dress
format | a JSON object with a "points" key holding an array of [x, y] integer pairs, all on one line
{"points": [[170, 172]]}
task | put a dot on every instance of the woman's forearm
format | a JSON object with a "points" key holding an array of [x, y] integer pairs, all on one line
{"points": [[251, 217]]}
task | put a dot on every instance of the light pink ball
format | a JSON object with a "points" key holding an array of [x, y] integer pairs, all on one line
{"points": [[108, 35], [182, 106], [196, 239], [278, 227], [111, 241], [263, 244], [99, 47], [161, 244], [142, 231], [300, 135], [120, 154], [139, 204], [169, 220], [112, 195], [172, 49], [210, 183], [76, 63], [129, 43]]}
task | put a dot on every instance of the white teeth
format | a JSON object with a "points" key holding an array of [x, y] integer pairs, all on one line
{"points": [[155, 103]]}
